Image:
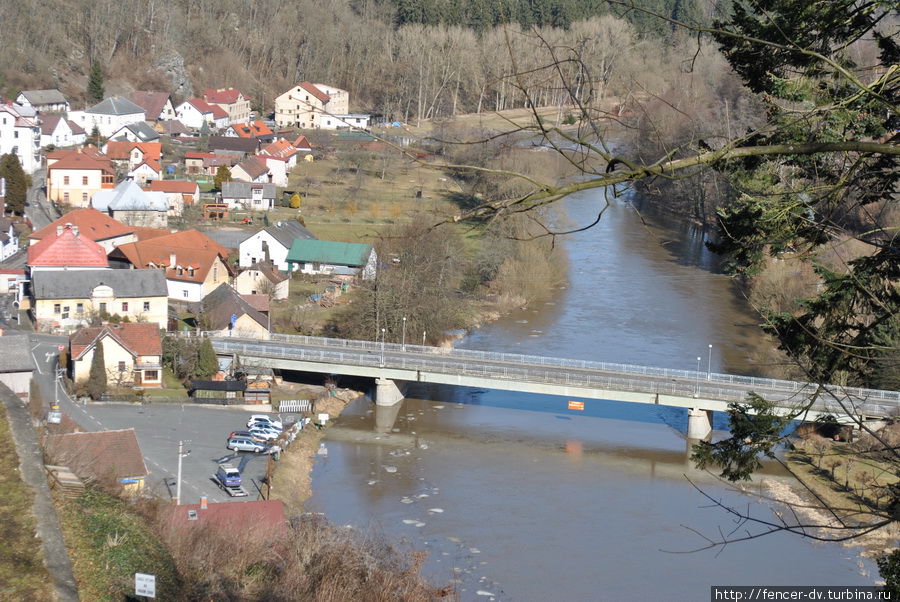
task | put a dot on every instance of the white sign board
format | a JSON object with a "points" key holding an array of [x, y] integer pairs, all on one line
{"points": [[145, 585]]}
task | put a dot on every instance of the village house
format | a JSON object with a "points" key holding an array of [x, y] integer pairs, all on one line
{"points": [[57, 131], [129, 204], [16, 363], [281, 150], [272, 244], [194, 112], [172, 128], [108, 116], [67, 250], [20, 135], [262, 279], [132, 353], [307, 105], [194, 265], [244, 146], [225, 312], [252, 129], [101, 455], [43, 101], [67, 300], [11, 280], [232, 101], [157, 105], [139, 131], [252, 170], [257, 197], [74, 176], [131, 154], [93, 225], [147, 171], [330, 257], [9, 240], [179, 193]]}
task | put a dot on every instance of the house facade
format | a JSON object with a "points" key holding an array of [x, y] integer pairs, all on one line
{"points": [[128, 204], [306, 104], [257, 197], [56, 130], [179, 193], [194, 112], [132, 354], [73, 177], [272, 244], [157, 105], [262, 279], [9, 240], [108, 116], [225, 312], [20, 135], [251, 169], [232, 101], [68, 300], [43, 101]]}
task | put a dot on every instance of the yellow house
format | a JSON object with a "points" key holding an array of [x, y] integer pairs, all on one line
{"points": [[67, 299], [103, 455], [73, 176], [306, 105], [224, 311], [132, 354]]}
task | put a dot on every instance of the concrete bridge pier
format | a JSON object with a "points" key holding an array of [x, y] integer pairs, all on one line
{"points": [[386, 417], [699, 423], [389, 392]]}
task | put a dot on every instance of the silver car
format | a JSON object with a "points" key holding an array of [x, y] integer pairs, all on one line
{"points": [[245, 444]]}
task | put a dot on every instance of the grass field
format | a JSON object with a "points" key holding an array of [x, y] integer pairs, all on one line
{"points": [[22, 572]]}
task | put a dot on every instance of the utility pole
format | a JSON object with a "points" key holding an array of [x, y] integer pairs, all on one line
{"points": [[403, 339], [181, 454]]}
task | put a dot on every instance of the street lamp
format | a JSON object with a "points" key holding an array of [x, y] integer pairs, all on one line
{"points": [[709, 364], [403, 339], [382, 347], [423, 338], [697, 392], [181, 454]]}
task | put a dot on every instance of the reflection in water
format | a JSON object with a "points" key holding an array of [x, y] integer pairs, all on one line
{"points": [[517, 496]]}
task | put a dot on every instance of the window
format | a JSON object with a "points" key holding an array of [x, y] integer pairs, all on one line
{"points": [[184, 293], [124, 305], [65, 197], [65, 180], [79, 308], [151, 375], [121, 366], [84, 180], [103, 308], [215, 273], [84, 197], [56, 308], [146, 306], [15, 133]]}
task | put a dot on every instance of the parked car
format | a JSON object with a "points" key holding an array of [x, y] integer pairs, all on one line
{"points": [[228, 475], [264, 418], [245, 444], [245, 434], [265, 433]]}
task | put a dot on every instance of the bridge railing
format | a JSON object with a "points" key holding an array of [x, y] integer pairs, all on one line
{"points": [[537, 360], [577, 377]]}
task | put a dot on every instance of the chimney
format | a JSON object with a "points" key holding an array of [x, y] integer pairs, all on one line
{"points": [[74, 229], [171, 260], [59, 230], [203, 505]]}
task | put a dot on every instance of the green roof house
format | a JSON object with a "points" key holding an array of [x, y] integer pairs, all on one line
{"points": [[329, 257]]}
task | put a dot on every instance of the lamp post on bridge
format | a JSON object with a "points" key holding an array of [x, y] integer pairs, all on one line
{"points": [[382, 347], [403, 338], [423, 338], [697, 390], [709, 364]]}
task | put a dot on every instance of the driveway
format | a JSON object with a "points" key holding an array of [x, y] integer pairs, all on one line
{"points": [[159, 428]]}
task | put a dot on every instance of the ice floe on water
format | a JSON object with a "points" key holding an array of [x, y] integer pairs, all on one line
{"points": [[406, 500], [521, 321], [372, 482], [474, 551], [390, 468], [436, 510], [438, 407], [421, 495], [409, 521], [483, 592]]}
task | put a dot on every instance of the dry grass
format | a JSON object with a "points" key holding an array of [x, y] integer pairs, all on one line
{"points": [[23, 575], [492, 120]]}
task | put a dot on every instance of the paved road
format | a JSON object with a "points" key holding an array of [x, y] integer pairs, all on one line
{"points": [[159, 428], [39, 209]]}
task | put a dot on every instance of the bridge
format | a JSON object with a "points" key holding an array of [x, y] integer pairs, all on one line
{"points": [[393, 366]]}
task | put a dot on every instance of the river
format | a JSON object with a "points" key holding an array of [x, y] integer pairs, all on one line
{"points": [[515, 497]]}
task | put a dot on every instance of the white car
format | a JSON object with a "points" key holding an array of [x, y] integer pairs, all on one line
{"points": [[264, 419], [265, 433]]}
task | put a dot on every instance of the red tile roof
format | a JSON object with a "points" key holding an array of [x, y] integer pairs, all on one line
{"points": [[191, 249], [280, 149], [312, 89], [253, 129], [257, 302], [222, 95], [122, 149], [98, 454], [181, 186], [154, 165], [152, 102], [80, 159], [302, 143], [67, 249], [194, 155], [254, 167], [264, 518], [218, 112], [138, 338], [145, 233], [200, 105], [91, 223]]}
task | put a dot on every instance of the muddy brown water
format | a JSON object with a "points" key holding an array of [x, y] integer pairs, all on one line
{"points": [[515, 497]]}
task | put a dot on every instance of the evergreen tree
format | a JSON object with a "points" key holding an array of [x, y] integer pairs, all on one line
{"points": [[96, 384], [95, 91], [207, 364], [17, 182], [223, 174]]}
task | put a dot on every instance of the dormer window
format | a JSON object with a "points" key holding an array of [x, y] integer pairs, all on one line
{"points": [[180, 271], [190, 271]]}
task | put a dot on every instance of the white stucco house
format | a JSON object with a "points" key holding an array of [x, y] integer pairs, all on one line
{"points": [[108, 116], [272, 244], [20, 135], [56, 130], [43, 101]]}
